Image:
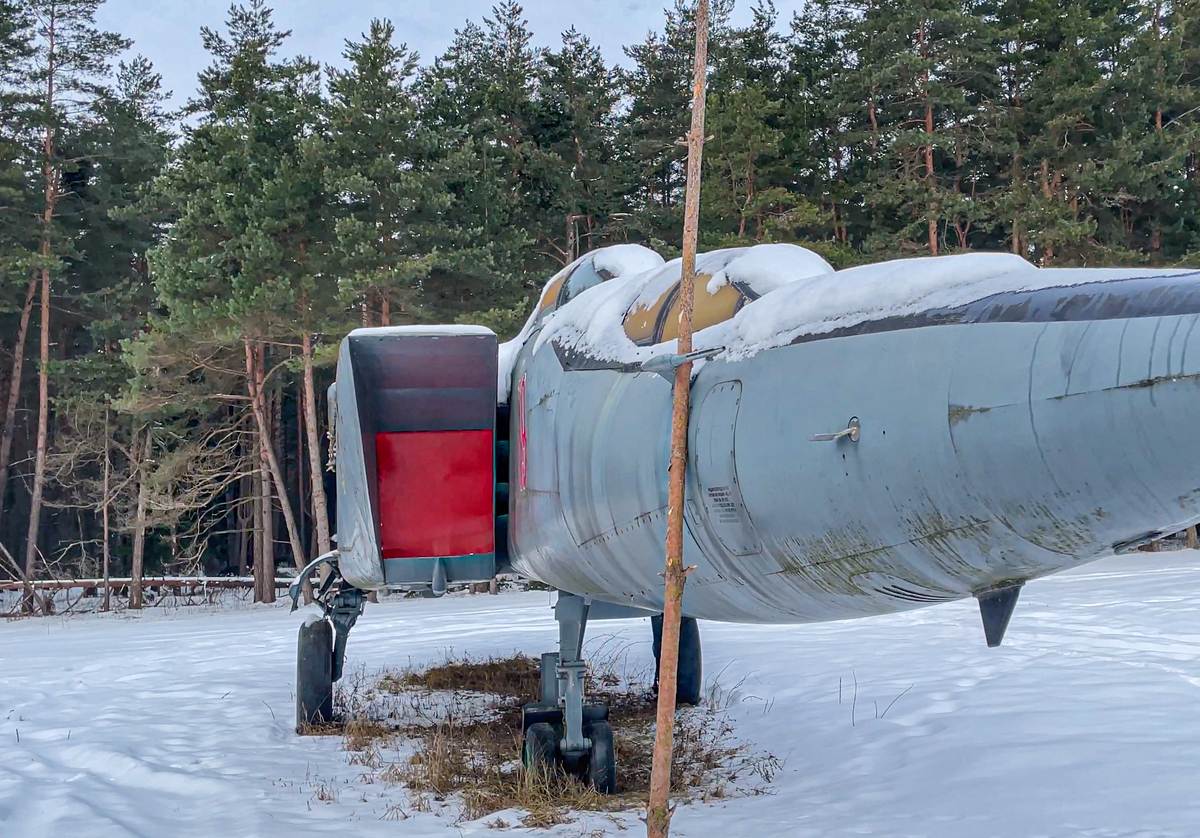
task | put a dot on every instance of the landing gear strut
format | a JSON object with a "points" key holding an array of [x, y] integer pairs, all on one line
{"points": [[562, 729], [321, 643]]}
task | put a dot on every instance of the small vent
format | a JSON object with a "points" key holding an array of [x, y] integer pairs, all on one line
{"points": [[917, 596]]}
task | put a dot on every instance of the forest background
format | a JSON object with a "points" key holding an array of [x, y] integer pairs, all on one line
{"points": [[173, 285]]}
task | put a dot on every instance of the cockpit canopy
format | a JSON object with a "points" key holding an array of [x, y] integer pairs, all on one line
{"points": [[654, 321], [657, 320], [572, 282]]}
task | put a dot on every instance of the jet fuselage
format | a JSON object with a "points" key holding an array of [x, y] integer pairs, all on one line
{"points": [[999, 441]]}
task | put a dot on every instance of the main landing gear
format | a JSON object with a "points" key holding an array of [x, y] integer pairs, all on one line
{"points": [[321, 643], [563, 729]]}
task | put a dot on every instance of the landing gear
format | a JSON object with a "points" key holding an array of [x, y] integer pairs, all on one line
{"points": [[602, 759], [321, 643], [540, 748], [561, 729], [314, 674], [690, 686]]}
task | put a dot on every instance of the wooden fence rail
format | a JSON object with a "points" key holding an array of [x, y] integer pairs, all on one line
{"points": [[195, 584]]}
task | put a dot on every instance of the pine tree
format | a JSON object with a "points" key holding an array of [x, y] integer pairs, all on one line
{"points": [[744, 140], [18, 281], [824, 144], [1147, 134], [918, 69], [749, 185], [70, 55], [118, 151], [1043, 127], [482, 91], [393, 219], [579, 98], [658, 87], [509, 185], [238, 260]]}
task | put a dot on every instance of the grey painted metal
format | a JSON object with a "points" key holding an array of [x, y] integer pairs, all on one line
{"points": [[549, 678], [358, 541], [989, 453], [572, 615], [438, 583], [599, 610], [343, 611], [296, 589], [421, 573]]}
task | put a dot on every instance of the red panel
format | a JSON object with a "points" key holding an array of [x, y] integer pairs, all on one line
{"points": [[436, 493]]}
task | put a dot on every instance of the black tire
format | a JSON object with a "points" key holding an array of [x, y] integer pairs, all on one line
{"points": [[541, 747], [690, 683], [314, 674], [602, 759]]}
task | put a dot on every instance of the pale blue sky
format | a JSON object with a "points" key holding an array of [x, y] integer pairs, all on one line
{"points": [[168, 31]]}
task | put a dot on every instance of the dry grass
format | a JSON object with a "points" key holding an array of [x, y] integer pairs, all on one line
{"points": [[454, 731], [513, 677]]}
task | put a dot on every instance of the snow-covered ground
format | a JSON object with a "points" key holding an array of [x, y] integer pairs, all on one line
{"points": [[1086, 722]]}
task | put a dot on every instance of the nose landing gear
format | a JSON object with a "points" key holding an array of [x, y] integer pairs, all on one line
{"points": [[321, 643]]}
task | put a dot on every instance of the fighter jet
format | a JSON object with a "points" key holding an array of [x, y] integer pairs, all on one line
{"points": [[862, 441]]}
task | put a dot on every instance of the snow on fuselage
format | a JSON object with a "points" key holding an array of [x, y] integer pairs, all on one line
{"points": [[1012, 425]]}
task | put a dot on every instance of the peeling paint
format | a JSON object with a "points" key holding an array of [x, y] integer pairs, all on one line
{"points": [[1069, 537], [1158, 379], [959, 413]]}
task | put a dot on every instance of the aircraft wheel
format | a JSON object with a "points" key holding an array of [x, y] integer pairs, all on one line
{"points": [[541, 746], [314, 674], [690, 679], [602, 759]]}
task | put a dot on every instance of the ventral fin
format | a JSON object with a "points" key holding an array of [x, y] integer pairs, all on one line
{"points": [[995, 608]]}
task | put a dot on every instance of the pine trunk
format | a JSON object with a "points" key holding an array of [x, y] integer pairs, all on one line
{"points": [[266, 539], [1016, 223], [933, 223], [14, 387], [139, 526], [50, 176], [104, 504], [244, 521], [270, 405], [265, 567], [301, 507], [254, 378], [39, 463], [259, 528], [320, 508]]}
